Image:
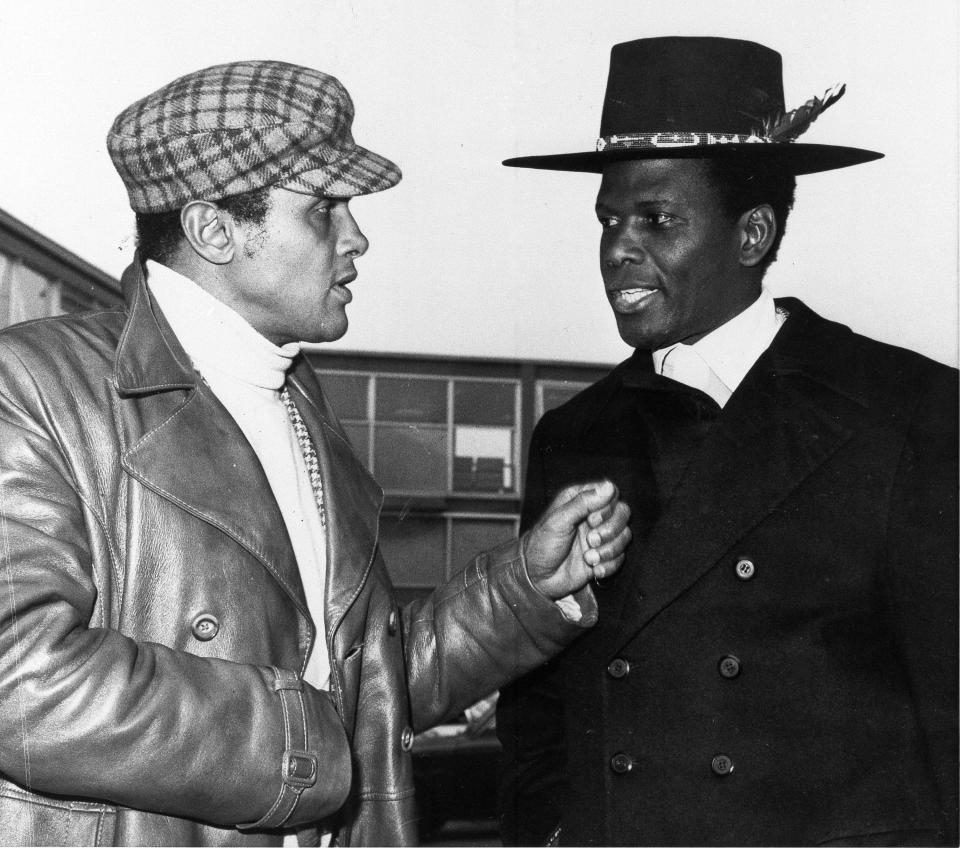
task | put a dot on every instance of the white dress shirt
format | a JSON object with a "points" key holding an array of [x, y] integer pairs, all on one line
{"points": [[717, 363]]}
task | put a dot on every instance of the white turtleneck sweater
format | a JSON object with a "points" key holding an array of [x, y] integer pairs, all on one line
{"points": [[246, 372]]}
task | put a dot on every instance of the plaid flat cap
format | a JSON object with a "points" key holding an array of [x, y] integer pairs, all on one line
{"points": [[241, 126]]}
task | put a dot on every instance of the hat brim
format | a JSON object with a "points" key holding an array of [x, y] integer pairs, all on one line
{"points": [[788, 158], [357, 172]]}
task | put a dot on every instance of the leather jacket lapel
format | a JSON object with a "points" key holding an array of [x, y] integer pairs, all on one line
{"points": [[199, 459], [352, 500], [183, 444]]}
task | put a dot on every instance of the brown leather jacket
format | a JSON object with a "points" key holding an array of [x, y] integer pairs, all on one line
{"points": [[149, 600]]}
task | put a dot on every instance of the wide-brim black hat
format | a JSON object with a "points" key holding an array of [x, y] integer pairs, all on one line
{"points": [[693, 98]]}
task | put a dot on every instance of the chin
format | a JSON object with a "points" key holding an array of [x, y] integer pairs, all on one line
{"points": [[637, 338], [328, 334]]}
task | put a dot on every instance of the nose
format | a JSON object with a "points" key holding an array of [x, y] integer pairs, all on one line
{"points": [[353, 242], [620, 245]]}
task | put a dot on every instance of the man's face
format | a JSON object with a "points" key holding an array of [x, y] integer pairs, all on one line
{"points": [[669, 256], [291, 273]]}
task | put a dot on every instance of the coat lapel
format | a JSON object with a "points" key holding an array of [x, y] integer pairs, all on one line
{"points": [[781, 424], [352, 500], [199, 459], [186, 447]]}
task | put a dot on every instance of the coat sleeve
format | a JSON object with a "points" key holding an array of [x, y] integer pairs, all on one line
{"points": [[530, 720], [485, 627], [85, 711], [920, 580]]}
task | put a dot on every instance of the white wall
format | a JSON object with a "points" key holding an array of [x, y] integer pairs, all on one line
{"points": [[470, 258]]}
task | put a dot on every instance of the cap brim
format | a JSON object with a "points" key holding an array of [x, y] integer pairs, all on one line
{"points": [[791, 158], [360, 171]]}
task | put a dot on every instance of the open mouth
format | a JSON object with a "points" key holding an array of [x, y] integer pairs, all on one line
{"points": [[340, 286], [630, 300]]}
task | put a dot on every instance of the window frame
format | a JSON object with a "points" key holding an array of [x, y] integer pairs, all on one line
{"points": [[450, 425]]}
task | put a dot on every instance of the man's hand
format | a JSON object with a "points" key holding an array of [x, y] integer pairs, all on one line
{"points": [[582, 534]]}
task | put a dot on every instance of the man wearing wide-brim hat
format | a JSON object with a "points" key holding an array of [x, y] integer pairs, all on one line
{"points": [[199, 643], [777, 659]]}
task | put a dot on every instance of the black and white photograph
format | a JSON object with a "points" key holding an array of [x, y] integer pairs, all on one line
{"points": [[479, 424]]}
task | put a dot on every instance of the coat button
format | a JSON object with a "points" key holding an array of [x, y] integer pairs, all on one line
{"points": [[406, 739], [621, 763], [729, 667], [721, 765], [618, 668], [745, 569], [205, 626], [392, 623]]}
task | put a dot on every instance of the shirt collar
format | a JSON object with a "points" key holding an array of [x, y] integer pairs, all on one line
{"points": [[732, 348], [214, 336]]}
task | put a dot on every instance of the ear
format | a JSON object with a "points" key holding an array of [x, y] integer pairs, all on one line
{"points": [[758, 229], [209, 231]]}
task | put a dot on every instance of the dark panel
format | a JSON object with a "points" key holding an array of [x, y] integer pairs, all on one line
{"points": [[410, 458], [359, 436], [411, 399], [347, 394], [476, 402], [471, 536], [414, 548], [557, 395]]}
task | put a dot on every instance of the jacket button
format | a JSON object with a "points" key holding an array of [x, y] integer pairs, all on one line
{"points": [[205, 626], [406, 739], [721, 765], [745, 569], [392, 623], [729, 667], [621, 763], [618, 668]]}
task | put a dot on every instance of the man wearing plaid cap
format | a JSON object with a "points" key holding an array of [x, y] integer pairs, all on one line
{"points": [[199, 643]]}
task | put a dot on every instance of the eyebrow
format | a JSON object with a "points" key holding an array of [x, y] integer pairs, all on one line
{"points": [[600, 206]]}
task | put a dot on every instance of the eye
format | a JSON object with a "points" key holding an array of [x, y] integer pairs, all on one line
{"points": [[658, 219], [608, 221]]}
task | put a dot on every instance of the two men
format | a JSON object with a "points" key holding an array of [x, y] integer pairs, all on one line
{"points": [[199, 643], [776, 662]]}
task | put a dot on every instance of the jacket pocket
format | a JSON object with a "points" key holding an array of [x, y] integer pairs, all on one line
{"points": [[351, 668], [30, 819]]}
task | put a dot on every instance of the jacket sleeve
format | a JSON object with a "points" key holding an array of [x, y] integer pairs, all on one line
{"points": [[485, 627], [87, 712], [920, 580], [530, 720]]}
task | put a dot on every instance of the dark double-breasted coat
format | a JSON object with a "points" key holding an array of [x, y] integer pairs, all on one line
{"points": [[776, 662]]}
